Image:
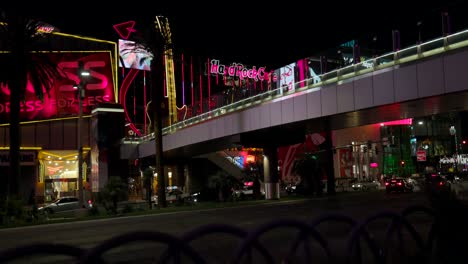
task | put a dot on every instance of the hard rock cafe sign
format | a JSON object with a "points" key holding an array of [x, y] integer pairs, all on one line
{"points": [[239, 70]]}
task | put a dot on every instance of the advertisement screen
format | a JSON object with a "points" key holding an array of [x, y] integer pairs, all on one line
{"points": [[286, 77], [134, 56], [62, 99]]}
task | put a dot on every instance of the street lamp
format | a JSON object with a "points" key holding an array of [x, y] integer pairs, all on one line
{"points": [[81, 93], [419, 24], [169, 175]]}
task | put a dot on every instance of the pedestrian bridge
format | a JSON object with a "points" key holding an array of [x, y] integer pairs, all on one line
{"points": [[432, 69]]}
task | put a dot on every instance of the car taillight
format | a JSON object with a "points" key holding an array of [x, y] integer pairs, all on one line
{"points": [[399, 183], [386, 184]]}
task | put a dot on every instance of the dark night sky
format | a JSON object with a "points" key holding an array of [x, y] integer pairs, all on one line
{"points": [[265, 34]]}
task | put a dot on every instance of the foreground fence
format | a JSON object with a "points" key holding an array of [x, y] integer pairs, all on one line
{"points": [[408, 236]]}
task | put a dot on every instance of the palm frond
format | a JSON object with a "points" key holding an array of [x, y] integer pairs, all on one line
{"points": [[43, 74], [38, 67]]}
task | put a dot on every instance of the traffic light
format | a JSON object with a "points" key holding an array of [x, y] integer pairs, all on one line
{"points": [[402, 163], [464, 142]]}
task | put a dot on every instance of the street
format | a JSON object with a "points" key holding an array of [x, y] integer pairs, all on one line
{"points": [[216, 248]]}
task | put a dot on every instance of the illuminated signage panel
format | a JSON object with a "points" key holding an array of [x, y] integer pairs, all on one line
{"points": [[134, 56], [62, 100], [239, 70]]}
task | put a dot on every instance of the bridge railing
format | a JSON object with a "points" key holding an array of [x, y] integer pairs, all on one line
{"points": [[412, 53]]}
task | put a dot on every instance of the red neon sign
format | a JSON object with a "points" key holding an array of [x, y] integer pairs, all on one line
{"points": [[123, 94], [125, 29], [61, 100]]}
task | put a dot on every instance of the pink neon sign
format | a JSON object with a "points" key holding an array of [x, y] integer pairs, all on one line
{"points": [[238, 70], [61, 100], [123, 94], [407, 121]]}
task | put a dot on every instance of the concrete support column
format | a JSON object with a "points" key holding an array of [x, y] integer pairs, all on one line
{"points": [[180, 176], [329, 166], [105, 147], [270, 173], [187, 178]]}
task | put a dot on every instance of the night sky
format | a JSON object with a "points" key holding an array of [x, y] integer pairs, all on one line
{"points": [[265, 33]]}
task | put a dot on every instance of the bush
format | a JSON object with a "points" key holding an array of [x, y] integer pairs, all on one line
{"points": [[93, 211], [115, 191], [127, 209], [11, 211]]}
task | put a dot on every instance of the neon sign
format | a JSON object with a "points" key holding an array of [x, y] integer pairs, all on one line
{"points": [[46, 29], [238, 70], [61, 100], [407, 121], [125, 29]]}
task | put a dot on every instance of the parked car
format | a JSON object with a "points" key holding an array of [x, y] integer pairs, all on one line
{"points": [[398, 185], [365, 185], [63, 204], [290, 188], [177, 195], [245, 192]]}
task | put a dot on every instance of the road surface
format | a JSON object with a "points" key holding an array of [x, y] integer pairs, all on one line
{"points": [[219, 248]]}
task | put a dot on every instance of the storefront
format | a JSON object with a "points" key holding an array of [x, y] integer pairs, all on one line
{"points": [[58, 174], [406, 147], [52, 126]]}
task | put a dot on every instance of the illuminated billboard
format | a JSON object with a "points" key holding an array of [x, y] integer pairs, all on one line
{"points": [[134, 56], [286, 78], [62, 100]]}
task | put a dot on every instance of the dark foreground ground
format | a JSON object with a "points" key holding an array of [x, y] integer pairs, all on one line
{"points": [[283, 230]]}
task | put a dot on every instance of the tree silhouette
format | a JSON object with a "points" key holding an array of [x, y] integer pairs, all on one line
{"points": [[22, 39], [151, 39], [306, 166]]}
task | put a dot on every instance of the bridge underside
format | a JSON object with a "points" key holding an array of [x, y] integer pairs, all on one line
{"points": [[454, 102], [294, 132]]}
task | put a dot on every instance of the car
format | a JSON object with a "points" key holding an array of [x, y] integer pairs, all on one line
{"points": [[63, 204], [290, 188], [398, 185], [177, 195], [245, 192], [437, 183], [365, 185]]}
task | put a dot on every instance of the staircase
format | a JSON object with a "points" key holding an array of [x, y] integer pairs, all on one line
{"points": [[226, 162]]}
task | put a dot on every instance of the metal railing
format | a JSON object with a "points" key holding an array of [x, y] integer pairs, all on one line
{"points": [[307, 245], [416, 52]]}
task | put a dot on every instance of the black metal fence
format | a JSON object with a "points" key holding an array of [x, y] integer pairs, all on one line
{"points": [[409, 236]]}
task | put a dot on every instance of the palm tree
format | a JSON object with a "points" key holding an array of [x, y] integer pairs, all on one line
{"points": [[222, 183], [306, 166], [21, 38], [154, 41], [148, 184]]}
